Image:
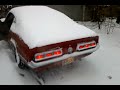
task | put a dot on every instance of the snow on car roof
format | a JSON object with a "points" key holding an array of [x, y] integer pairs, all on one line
{"points": [[40, 25]]}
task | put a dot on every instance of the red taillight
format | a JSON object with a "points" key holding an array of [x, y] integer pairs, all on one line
{"points": [[57, 52], [39, 57], [93, 44], [86, 45], [81, 47], [49, 54]]}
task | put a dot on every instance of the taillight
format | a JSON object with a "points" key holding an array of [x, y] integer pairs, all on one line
{"points": [[57, 53], [39, 57], [93, 44], [81, 47], [86, 45], [49, 54]]}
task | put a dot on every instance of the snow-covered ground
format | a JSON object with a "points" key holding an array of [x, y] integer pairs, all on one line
{"points": [[101, 67]]}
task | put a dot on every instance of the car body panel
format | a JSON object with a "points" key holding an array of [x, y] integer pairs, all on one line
{"points": [[27, 54]]}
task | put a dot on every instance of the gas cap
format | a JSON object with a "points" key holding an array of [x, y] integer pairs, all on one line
{"points": [[70, 50]]}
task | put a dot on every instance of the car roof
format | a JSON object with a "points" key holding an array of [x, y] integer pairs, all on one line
{"points": [[40, 25]]}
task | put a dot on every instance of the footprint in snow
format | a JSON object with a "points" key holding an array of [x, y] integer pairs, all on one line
{"points": [[21, 74], [110, 77]]}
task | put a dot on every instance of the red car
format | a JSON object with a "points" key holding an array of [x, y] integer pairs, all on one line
{"points": [[42, 37]]}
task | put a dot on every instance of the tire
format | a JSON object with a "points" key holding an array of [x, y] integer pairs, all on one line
{"points": [[18, 60], [21, 65]]}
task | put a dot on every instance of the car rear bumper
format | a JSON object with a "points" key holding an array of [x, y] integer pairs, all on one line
{"points": [[34, 65]]}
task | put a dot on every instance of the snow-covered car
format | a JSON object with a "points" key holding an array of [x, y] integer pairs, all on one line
{"points": [[42, 37]]}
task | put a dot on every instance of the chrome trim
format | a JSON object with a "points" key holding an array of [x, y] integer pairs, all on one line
{"points": [[48, 52], [84, 44], [33, 64]]}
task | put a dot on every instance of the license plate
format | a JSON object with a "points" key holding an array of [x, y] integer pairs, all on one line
{"points": [[68, 61]]}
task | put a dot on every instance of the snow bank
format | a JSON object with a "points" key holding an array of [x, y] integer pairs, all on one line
{"points": [[41, 25]]}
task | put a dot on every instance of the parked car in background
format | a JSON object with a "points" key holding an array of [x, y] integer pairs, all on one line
{"points": [[42, 37]]}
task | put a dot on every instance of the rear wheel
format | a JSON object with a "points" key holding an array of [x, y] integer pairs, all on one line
{"points": [[18, 60], [20, 64]]}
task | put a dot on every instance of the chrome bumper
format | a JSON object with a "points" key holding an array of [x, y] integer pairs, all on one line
{"points": [[33, 64]]}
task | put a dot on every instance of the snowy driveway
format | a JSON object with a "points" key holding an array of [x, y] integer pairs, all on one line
{"points": [[101, 67]]}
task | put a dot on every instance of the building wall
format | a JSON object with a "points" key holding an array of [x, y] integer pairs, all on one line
{"points": [[75, 12]]}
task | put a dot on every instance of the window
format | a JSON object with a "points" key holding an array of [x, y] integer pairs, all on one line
{"points": [[9, 20]]}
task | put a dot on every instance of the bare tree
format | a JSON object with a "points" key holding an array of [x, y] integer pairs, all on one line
{"points": [[98, 14], [4, 9]]}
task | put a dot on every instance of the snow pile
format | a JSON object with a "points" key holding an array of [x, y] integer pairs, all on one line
{"points": [[40, 25], [10, 74]]}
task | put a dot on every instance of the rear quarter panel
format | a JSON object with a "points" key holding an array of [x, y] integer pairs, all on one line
{"points": [[22, 48], [28, 54]]}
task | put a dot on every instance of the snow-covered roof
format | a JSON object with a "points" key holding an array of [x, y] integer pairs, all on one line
{"points": [[40, 25]]}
